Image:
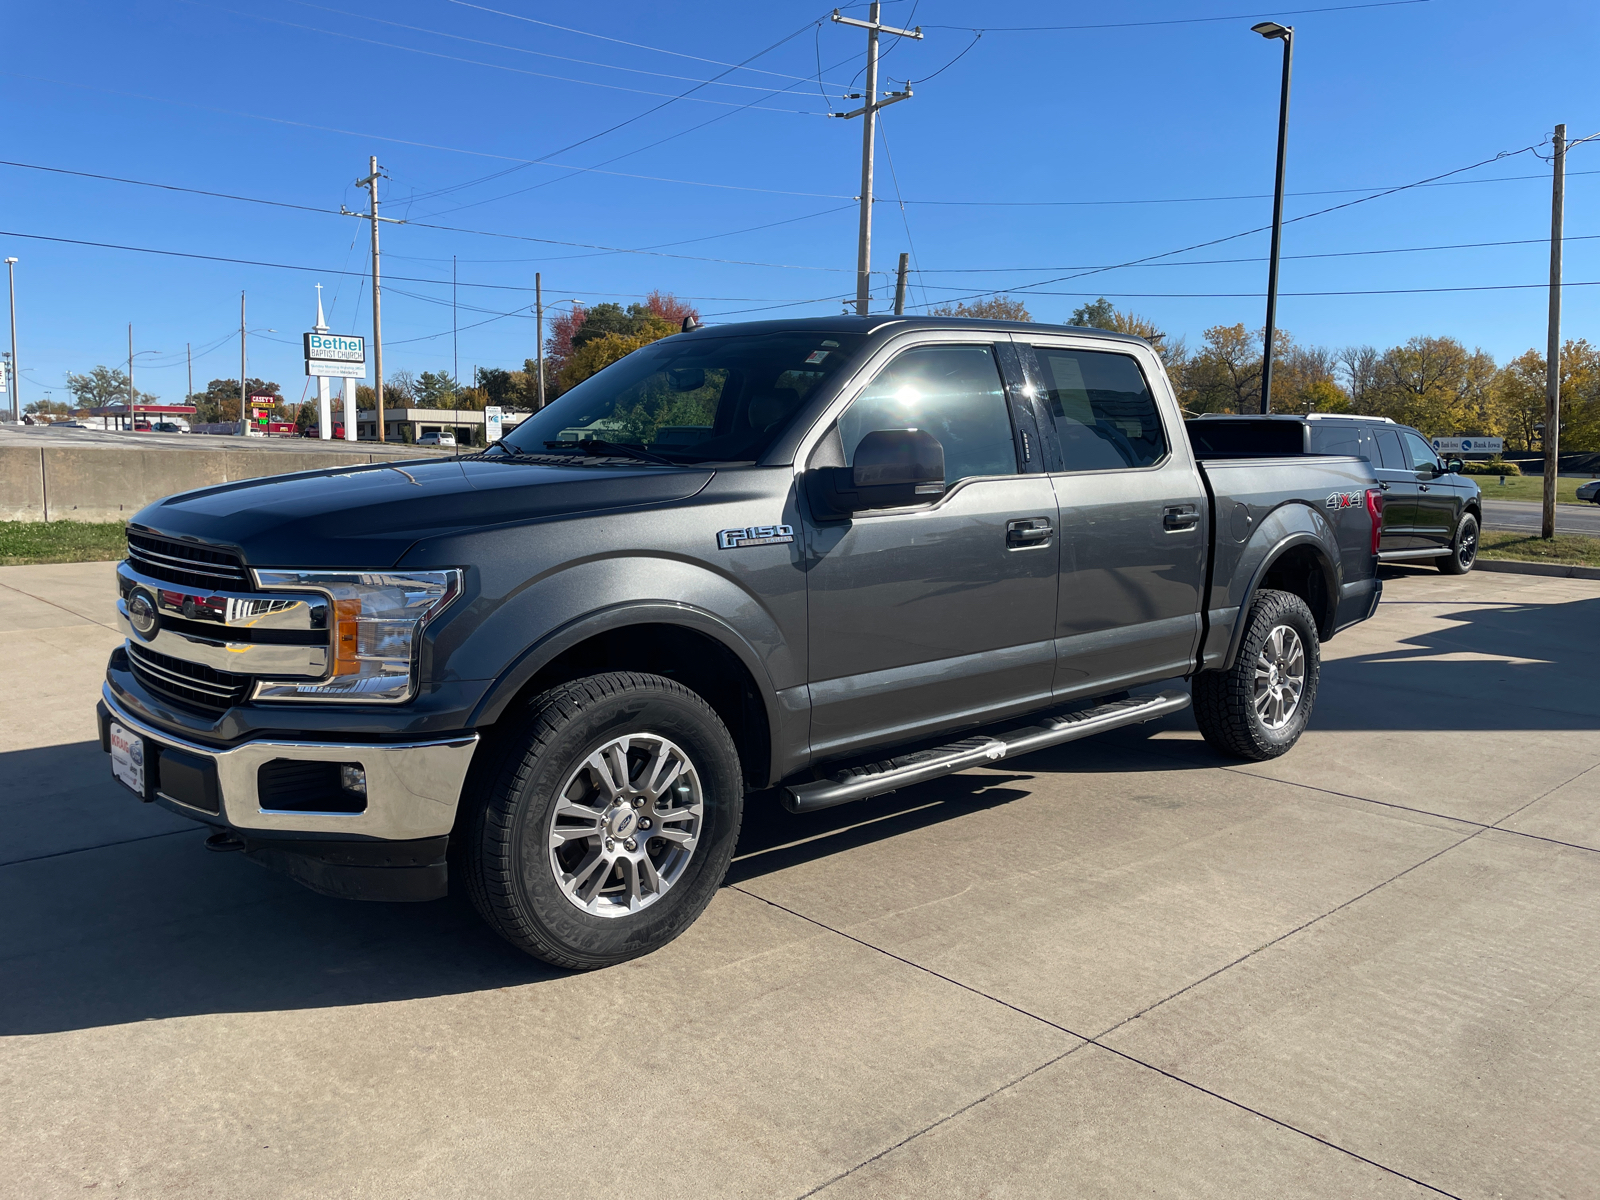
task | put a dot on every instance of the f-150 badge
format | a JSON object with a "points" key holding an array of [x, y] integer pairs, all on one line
{"points": [[754, 535], [1345, 500]]}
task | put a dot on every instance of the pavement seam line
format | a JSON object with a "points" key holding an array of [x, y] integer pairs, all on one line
{"points": [[1087, 1040], [85, 620], [17, 862]]}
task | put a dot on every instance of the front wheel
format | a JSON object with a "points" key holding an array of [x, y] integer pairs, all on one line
{"points": [[1259, 707], [1463, 548], [607, 821]]}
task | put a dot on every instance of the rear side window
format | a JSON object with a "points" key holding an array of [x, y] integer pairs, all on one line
{"points": [[1247, 438], [955, 393], [1340, 437], [1391, 454], [1104, 414]]}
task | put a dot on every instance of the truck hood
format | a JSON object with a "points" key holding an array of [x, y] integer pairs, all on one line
{"points": [[368, 516]]}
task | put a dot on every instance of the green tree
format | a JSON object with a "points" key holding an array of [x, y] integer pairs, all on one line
{"points": [[104, 386], [435, 389], [1099, 314], [49, 408]]}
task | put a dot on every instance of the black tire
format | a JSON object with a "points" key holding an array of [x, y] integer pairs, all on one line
{"points": [[1225, 702], [1463, 548], [506, 831]]}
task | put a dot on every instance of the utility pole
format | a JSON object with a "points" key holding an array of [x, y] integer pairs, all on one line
{"points": [[188, 353], [869, 133], [538, 331], [1552, 376], [16, 370], [244, 424], [371, 184], [900, 285], [133, 424]]}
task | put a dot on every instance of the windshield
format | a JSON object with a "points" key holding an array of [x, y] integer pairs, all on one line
{"points": [[694, 399]]}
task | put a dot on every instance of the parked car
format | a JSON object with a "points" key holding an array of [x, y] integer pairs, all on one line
{"points": [[168, 427], [894, 548], [1590, 491], [437, 439], [1430, 510]]}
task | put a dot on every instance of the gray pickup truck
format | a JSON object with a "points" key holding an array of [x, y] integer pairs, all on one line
{"points": [[828, 557]]}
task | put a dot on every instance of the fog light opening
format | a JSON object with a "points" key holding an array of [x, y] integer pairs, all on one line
{"points": [[353, 778]]}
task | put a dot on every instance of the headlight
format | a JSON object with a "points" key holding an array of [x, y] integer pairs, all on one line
{"points": [[375, 622]]}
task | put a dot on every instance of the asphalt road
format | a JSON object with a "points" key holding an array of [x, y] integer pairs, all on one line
{"points": [[1122, 968], [1521, 516]]}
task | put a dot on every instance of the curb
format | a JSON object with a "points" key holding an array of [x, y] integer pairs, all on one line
{"points": [[1554, 570]]}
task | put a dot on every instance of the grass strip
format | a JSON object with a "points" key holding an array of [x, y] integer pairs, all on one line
{"points": [[1528, 487], [1572, 549], [25, 543]]}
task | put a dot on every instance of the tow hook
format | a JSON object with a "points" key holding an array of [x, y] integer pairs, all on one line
{"points": [[224, 842]]}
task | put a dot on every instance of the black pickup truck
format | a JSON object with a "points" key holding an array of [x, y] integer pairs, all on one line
{"points": [[829, 557]]}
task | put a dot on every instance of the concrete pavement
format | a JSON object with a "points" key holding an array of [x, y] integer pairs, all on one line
{"points": [[1122, 967]]}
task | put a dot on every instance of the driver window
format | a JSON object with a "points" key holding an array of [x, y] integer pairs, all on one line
{"points": [[1422, 456], [955, 393]]}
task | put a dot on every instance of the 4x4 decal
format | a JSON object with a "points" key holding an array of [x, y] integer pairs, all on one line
{"points": [[1346, 500]]}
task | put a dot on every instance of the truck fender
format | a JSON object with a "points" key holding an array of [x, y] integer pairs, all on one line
{"points": [[1286, 527], [621, 615]]}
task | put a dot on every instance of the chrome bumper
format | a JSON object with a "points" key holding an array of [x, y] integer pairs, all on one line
{"points": [[412, 787]]}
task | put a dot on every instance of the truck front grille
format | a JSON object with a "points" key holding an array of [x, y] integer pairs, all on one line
{"points": [[186, 563], [187, 682]]}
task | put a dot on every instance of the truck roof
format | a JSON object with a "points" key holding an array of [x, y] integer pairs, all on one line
{"points": [[878, 323]]}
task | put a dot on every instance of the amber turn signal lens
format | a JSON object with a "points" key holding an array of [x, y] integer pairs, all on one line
{"points": [[346, 639]]}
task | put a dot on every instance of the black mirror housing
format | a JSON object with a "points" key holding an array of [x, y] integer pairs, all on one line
{"points": [[1455, 466], [893, 468]]}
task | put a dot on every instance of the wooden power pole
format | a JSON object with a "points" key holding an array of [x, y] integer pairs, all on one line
{"points": [[1552, 377]]}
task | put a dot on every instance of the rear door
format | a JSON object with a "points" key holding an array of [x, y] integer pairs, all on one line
{"points": [[1133, 519], [938, 615], [1398, 480]]}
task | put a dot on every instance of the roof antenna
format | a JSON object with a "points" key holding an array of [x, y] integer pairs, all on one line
{"points": [[690, 324]]}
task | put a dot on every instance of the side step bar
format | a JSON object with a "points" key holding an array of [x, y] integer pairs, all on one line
{"points": [[874, 779]]}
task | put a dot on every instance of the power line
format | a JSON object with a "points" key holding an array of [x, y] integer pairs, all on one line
{"points": [[635, 45], [474, 62], [1296, 12], [538, 53]]}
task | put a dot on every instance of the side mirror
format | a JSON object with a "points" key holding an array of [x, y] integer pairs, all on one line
{"points": [[894, 468], [1455, 466]]}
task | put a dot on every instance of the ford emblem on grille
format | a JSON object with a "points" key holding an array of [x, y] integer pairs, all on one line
{"points": [[142, 614]]}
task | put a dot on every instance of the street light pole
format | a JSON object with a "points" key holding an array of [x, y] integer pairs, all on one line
{"points": [[1285, 33], [16, 372]]}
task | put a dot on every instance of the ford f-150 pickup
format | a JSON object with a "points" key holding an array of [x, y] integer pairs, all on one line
{"points": [[819, 560]]}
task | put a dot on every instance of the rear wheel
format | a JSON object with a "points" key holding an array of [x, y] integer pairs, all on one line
{"points": [[607, 821], [1463, 548], [1259, 707]]}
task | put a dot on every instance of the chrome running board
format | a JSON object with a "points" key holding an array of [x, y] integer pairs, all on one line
{"points": [[874, 779]]}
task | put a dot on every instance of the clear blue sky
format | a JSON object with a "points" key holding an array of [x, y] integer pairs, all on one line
{"points": [[283, 100]]}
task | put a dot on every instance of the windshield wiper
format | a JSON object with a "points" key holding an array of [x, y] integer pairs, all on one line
{"points": [[596, 448]]}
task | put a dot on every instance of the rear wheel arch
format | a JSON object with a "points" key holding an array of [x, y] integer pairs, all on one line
{"points": [[1302, 565]]}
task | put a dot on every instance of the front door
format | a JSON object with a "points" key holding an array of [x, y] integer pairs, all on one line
{"points": [[1435, 520], [928, 618], [1133, 524]]}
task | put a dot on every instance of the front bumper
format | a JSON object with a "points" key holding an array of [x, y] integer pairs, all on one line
{"points": [[412, 788]]}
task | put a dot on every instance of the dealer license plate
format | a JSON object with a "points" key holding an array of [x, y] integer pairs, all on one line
{"points": [[127, 758]]}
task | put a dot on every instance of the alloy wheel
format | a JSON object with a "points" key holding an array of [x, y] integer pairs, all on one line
{"points": [[626, 824], [1280, 677]]}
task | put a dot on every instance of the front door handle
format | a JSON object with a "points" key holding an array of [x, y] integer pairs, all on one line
{"points": [[1424, 487], [1177, 517], [1028, 531]]}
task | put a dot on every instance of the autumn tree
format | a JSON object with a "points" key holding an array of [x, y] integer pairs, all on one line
{"points": [[220, 400], [995, 308], [105, 386]]}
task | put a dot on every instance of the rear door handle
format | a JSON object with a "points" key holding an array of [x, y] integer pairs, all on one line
{"points": [[1028, 531], [1176, 517]]}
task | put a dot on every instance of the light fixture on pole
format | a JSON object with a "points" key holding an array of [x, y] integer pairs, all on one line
{"points": [[1285, 34]]}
